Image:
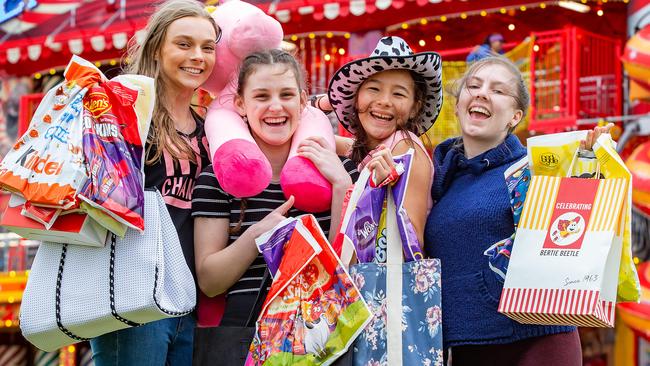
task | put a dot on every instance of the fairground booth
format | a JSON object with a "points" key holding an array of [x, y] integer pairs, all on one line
{"points": [[580, 59]]}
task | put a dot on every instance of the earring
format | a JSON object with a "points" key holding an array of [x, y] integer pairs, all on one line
{"points": [[245, 118]]}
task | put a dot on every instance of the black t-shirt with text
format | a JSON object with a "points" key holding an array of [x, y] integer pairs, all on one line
{"points": [[176, 180]]}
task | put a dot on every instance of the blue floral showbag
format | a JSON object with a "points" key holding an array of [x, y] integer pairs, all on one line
{"points": [[418, 318], [401, 288]]}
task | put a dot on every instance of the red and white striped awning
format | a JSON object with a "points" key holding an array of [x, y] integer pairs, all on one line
{"points": [[100, 29], [330, 10], [49, 34]]}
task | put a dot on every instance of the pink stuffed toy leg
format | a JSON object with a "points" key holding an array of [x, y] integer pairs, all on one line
{"points": [[239, 165], [300, 177]]}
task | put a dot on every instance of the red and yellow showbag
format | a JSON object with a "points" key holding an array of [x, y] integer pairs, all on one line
{"points": [[564, 265]]}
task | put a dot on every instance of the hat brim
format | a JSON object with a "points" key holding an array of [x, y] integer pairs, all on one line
{"points": [[346, 82]]}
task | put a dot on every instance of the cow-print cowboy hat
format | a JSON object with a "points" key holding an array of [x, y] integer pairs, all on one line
{"points": [[391, 53]]}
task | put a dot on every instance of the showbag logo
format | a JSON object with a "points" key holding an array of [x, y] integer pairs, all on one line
{"points": [[97, 103], [32, 161], [572, 211], [366, 230], [549, 159], [567, 229]]}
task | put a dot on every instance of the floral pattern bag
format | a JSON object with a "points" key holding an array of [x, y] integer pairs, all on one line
{"points": [[418, 322], [403, 294]]}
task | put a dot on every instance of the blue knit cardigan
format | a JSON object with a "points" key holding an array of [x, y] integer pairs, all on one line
{"points": [[472, 211]]}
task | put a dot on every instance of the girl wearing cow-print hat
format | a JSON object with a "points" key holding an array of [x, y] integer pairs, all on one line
{"points": [[387, 100]]}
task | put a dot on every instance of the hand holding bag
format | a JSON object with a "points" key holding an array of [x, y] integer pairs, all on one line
{"points": [[405, 300], [564, 266], [404, 292], [75, 293]]}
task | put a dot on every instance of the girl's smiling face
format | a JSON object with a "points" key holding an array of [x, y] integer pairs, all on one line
{"points": [[273, 102], [486, 108], [385, 101], [187, 54]]}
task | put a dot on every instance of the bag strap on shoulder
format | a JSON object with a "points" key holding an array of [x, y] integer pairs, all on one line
{"points": [[259, 300]]}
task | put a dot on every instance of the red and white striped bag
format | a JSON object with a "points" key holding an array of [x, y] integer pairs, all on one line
{"points": [[565, 260]]}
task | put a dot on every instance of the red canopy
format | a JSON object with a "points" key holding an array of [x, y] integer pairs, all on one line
{"points": [[97, 30], [303, 16]]}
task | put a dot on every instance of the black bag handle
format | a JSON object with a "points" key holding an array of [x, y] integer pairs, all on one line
{"points": [[259, 300]]}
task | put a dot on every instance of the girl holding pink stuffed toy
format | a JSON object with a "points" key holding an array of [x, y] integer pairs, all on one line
{"points": [[271, 98]]}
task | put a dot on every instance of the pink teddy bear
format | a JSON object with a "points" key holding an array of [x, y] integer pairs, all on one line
{"points": [[239, 165]]}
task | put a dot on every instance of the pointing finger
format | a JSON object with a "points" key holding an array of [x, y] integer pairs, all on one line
{"points": [[284, 208]]}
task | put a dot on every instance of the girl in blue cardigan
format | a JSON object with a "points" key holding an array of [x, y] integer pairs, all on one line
{"points": [[472, 211]]}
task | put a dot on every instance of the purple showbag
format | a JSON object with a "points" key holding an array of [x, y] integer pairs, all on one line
{"points": [[113, 150], [271, 243], [411, 245], [363, 226]]}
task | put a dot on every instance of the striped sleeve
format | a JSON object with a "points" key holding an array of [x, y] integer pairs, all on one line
{"points": [[351, 168], [208, 199]]}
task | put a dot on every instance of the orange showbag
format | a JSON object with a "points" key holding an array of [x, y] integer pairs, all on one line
{"points": [[46, 165]]}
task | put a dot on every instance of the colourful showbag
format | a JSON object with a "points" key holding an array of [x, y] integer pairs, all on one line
{"points": [[272, 243], [363, 223], [564, 266], [557, 155], [554, 155], [313, 311], [71, 228], [46, 165], [565, 259], [403, 291], [116, 119], [612, 166]]}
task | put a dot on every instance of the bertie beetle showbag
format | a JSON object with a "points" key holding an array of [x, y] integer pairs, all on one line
{"points": [[46, 165], [565, 261]]}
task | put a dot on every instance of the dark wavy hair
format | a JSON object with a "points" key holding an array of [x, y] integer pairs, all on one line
{"points": [[268, 57]]}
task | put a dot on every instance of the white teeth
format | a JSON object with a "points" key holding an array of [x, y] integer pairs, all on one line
{"points": [[192, 70], [386, 117], [480, 110], [274, 120]]}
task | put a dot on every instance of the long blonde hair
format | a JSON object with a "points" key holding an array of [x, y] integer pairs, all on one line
{"points": [[142, 60]]}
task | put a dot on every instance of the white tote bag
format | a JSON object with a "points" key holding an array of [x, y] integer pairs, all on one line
{"points": [[75, 293]]}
